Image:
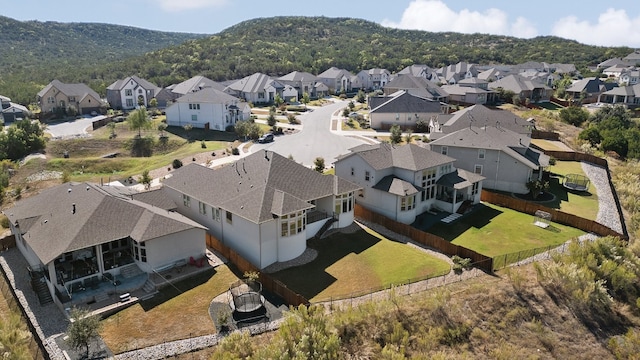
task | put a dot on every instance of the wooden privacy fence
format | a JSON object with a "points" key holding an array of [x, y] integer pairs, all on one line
{"points": [[558, 216], [268, 283], [483, 262], [547, 135]]}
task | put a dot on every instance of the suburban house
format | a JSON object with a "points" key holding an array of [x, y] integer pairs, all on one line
{"points": [[78, 98], [630, 76], [129, 93], [470, 91], [169, 94], [452, 74], [264, 206], [588, 90], [337, 80], [259, 89], [625, 95], [502, 156], [525, 88], [209, 109], [479, 116], [423, 71], [493, 74], [417, 86], [11, 111], [403, 109], [77, 234], [402, 182], [303, 82], [374, 79], [616, 70]]}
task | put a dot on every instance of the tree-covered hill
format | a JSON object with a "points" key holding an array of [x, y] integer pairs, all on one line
{"points": [[34, 51], [278, 45]]}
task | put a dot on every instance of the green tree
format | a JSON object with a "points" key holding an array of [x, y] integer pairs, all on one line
{"points": [[318, 164], [345, 112], [82, 329], [396, 134], [536, 187], [153, 103], [14, 338], [592, 135], [242, 129], [162, 126], [361, 97], [408, 137], [278, 100], [138, 120], [271, 119], [616, 141], [20, 139], [305, 99], [574, 115], [146, 179]]}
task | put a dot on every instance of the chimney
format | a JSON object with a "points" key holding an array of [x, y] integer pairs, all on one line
{"points": [[73, 208]]}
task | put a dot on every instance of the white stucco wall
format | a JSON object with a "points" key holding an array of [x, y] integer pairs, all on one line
{"points": [[179, 114], [173, 247]]}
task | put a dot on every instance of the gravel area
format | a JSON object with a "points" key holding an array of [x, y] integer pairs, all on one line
{"points": [[608, 214]]}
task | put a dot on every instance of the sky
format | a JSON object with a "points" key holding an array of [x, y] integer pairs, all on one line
{"points": [[590, 22]]}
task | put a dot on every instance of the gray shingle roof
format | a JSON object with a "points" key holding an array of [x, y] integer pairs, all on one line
{"points": [[416, 85], [459, 179], [517, 84], [120, 84], [334, 73], [481, 116], [208, 95], [251, 187], [253, 83], [404, 102], [495, 138], [297, 76], [411, 157], [396, 186], [51, 227], [78, 90], [591, 85], [194, 84]]}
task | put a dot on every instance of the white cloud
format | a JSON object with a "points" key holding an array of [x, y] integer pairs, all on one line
{"points": [[179, 5], [436, 16], [614, 28]]}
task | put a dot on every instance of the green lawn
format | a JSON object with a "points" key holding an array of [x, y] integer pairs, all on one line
{"points": [[547, 145], [359, 263], [493, 230], [583, 204]]}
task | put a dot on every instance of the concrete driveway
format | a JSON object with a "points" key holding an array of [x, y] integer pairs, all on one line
{"points": [[71, 128], [314, 140]]}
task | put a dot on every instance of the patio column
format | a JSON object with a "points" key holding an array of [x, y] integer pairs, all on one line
{"points": [[453, 202], [100, 259]]}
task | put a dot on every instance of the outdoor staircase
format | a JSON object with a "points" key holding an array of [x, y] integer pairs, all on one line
{"points": [[149, 287], [130, 271], [39, 285], [101, 297], [465, 206], [325, 227]]}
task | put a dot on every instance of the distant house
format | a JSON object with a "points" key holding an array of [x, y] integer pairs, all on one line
{"points": [[479, 116], [525, 88], [452, 74], [422, 71], [403, 109], [589, 89], [264, 206], [337, 80], [402, 182], [257, 88], [78, 98], [169, 94], [493, 74], [208, 109], [303, 82], [624, 95], [630, 76], [75, 234], [502, 156], [374, 79], [616, 70], [417, 86], [11, 111], [128, 93], [470, 91]]}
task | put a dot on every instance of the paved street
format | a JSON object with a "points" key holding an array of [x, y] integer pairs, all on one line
{"points": [[75, 127], [315, 139]]}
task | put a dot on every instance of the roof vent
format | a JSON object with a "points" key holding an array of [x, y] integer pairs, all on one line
{"points": [[87, 188], [73, 208], [69, 190]]}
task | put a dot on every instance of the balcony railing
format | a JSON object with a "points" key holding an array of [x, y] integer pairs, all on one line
{"points": [[316, 215]]}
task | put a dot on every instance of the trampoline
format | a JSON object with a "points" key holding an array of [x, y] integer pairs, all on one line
{"points": [[576, 182], [247, 302]]}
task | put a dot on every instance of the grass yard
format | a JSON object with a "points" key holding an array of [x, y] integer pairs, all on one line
{"points": [[170, 315], [359, 263], [583, 204], [548, 145], [493, 230]]}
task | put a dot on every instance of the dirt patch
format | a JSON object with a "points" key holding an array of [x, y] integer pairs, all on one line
{"points": [[202, 158]]}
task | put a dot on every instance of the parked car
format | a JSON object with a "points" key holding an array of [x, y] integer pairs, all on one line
{"points": [[266, 138]]}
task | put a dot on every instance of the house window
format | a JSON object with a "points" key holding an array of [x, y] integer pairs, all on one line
{"points": [[397, 116], [194, 117], [344, 203], [429, 184], [139, 251], [139, 91], [261, 95], [186, 200], [215, 214], [292, 224], [202, 207], [445, 169], [128, 92], [444, 150], [129, 102], [474, 189], [407, 203], [352, 171], [229, 217], [51, 100], [481, 153], [367, 176], [477, 169]]}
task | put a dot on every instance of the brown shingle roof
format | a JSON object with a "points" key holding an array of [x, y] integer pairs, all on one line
{"points": [[248, 186]]}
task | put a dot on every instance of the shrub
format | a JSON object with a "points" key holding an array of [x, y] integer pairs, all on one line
{"points": [[235, 151], [4, 221], [203, 144], [176, 164], [271, 120], [230, 128]]}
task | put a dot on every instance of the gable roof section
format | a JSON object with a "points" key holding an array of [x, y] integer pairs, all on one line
{"points": [[411, 157], [418, 86], [194, 84], [335, 73], [209, 96], [253, 83], [51, 227], [257, 185], [517, 84], [591, 85], [78, 90], [396, 186], [459, 179], [404, 102], [481, 116], [120, 84], [297, 76], [495, 138]]}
